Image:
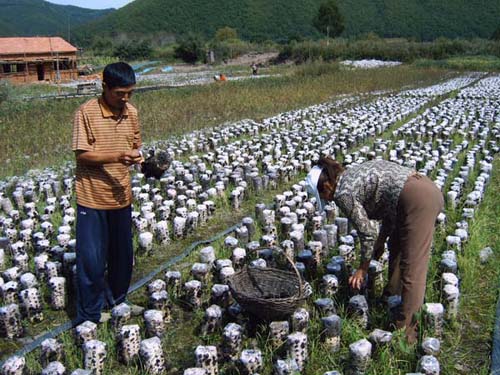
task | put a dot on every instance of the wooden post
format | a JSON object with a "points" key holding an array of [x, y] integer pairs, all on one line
{"points": [[26, 69]]}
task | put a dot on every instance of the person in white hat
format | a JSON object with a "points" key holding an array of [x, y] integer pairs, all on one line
{"points": [[406, 203]]}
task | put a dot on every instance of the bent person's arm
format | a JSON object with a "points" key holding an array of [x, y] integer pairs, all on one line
{"points": [[367, 231], [379, 247]]}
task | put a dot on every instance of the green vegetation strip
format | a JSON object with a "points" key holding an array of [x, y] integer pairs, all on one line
{"points": [[469, 339]]}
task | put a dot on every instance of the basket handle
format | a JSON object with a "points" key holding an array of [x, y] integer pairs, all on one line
{"points": [[277, 249]]}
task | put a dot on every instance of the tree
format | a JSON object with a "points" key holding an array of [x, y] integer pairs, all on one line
{"points": [[102, 45], [329, 20], [191, 48], [496, 34], [226, 33], [132, 50]]}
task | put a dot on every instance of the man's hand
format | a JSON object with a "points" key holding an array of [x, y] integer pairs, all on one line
{"points": [[130, 157], [156, 164], [357, 280], [103, 157]]}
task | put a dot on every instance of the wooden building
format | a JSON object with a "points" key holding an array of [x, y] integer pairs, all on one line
{"points": [[34, 59]]}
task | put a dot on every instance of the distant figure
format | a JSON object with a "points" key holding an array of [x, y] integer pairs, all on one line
{"points": [[255, 69], [220, 77]]}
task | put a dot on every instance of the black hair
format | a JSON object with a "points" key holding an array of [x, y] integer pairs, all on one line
{"points": [[332, 169], [118, 74]]}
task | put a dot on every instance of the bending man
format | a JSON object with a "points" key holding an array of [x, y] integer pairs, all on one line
{"points": [[406, 202]]}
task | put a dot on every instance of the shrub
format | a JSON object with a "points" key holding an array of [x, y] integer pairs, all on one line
{"points": [[483, 63], [166, 53], [191, 48], [231, 48], [496, 34], [132, 50], [316, 69], [226, 33], [5, 90], [102, 46], [387, 49], [373, 36]]}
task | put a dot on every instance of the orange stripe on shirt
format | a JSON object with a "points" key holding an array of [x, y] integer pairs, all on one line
{"points": [[105, 186]]}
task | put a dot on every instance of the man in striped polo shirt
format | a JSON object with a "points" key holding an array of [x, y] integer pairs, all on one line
{"points": [[106, 142]]}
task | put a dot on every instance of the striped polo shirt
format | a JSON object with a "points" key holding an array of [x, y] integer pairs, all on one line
{"points": [[96, 128]]}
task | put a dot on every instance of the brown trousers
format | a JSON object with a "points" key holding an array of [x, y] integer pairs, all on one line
{"points": [[409, 247]]}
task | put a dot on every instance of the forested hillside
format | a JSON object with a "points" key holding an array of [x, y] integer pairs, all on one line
{"points": [[256, 20], [285, 19], [38, 17]]}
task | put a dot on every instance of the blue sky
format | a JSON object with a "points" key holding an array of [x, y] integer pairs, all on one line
{"points": [[93, 4]]}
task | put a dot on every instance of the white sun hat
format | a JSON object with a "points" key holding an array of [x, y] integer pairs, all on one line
{"points": [[312, 185]]}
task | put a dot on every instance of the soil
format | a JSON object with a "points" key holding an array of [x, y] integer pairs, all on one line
{"points": [[250, 58]]}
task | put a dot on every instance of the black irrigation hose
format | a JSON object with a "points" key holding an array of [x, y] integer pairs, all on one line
{"points": [[35, 344], [495, 353], [138, 284]]}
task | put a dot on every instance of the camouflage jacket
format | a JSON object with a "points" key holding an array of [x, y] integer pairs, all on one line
{"points": [[370, 191]]}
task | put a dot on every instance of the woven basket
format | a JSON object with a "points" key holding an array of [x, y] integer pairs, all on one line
{"points": [[268, 293]]}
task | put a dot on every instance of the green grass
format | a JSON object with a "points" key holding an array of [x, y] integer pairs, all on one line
{"points": [[476, 63], [97, 60], [17, 91], [37, 134], [316, 69], [468, 344]]}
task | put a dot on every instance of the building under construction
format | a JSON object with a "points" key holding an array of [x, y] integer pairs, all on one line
{"points": [[32, 59]]}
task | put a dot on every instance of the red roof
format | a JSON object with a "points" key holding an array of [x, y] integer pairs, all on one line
{"points": [[34, 45]]}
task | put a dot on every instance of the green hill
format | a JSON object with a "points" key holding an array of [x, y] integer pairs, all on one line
{"points": [[422, 19], [254, 19], [38, 17], [282, 19]]}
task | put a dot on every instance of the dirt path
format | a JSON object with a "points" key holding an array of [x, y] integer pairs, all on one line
{"points": [[243, 60], [249, 58]]}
